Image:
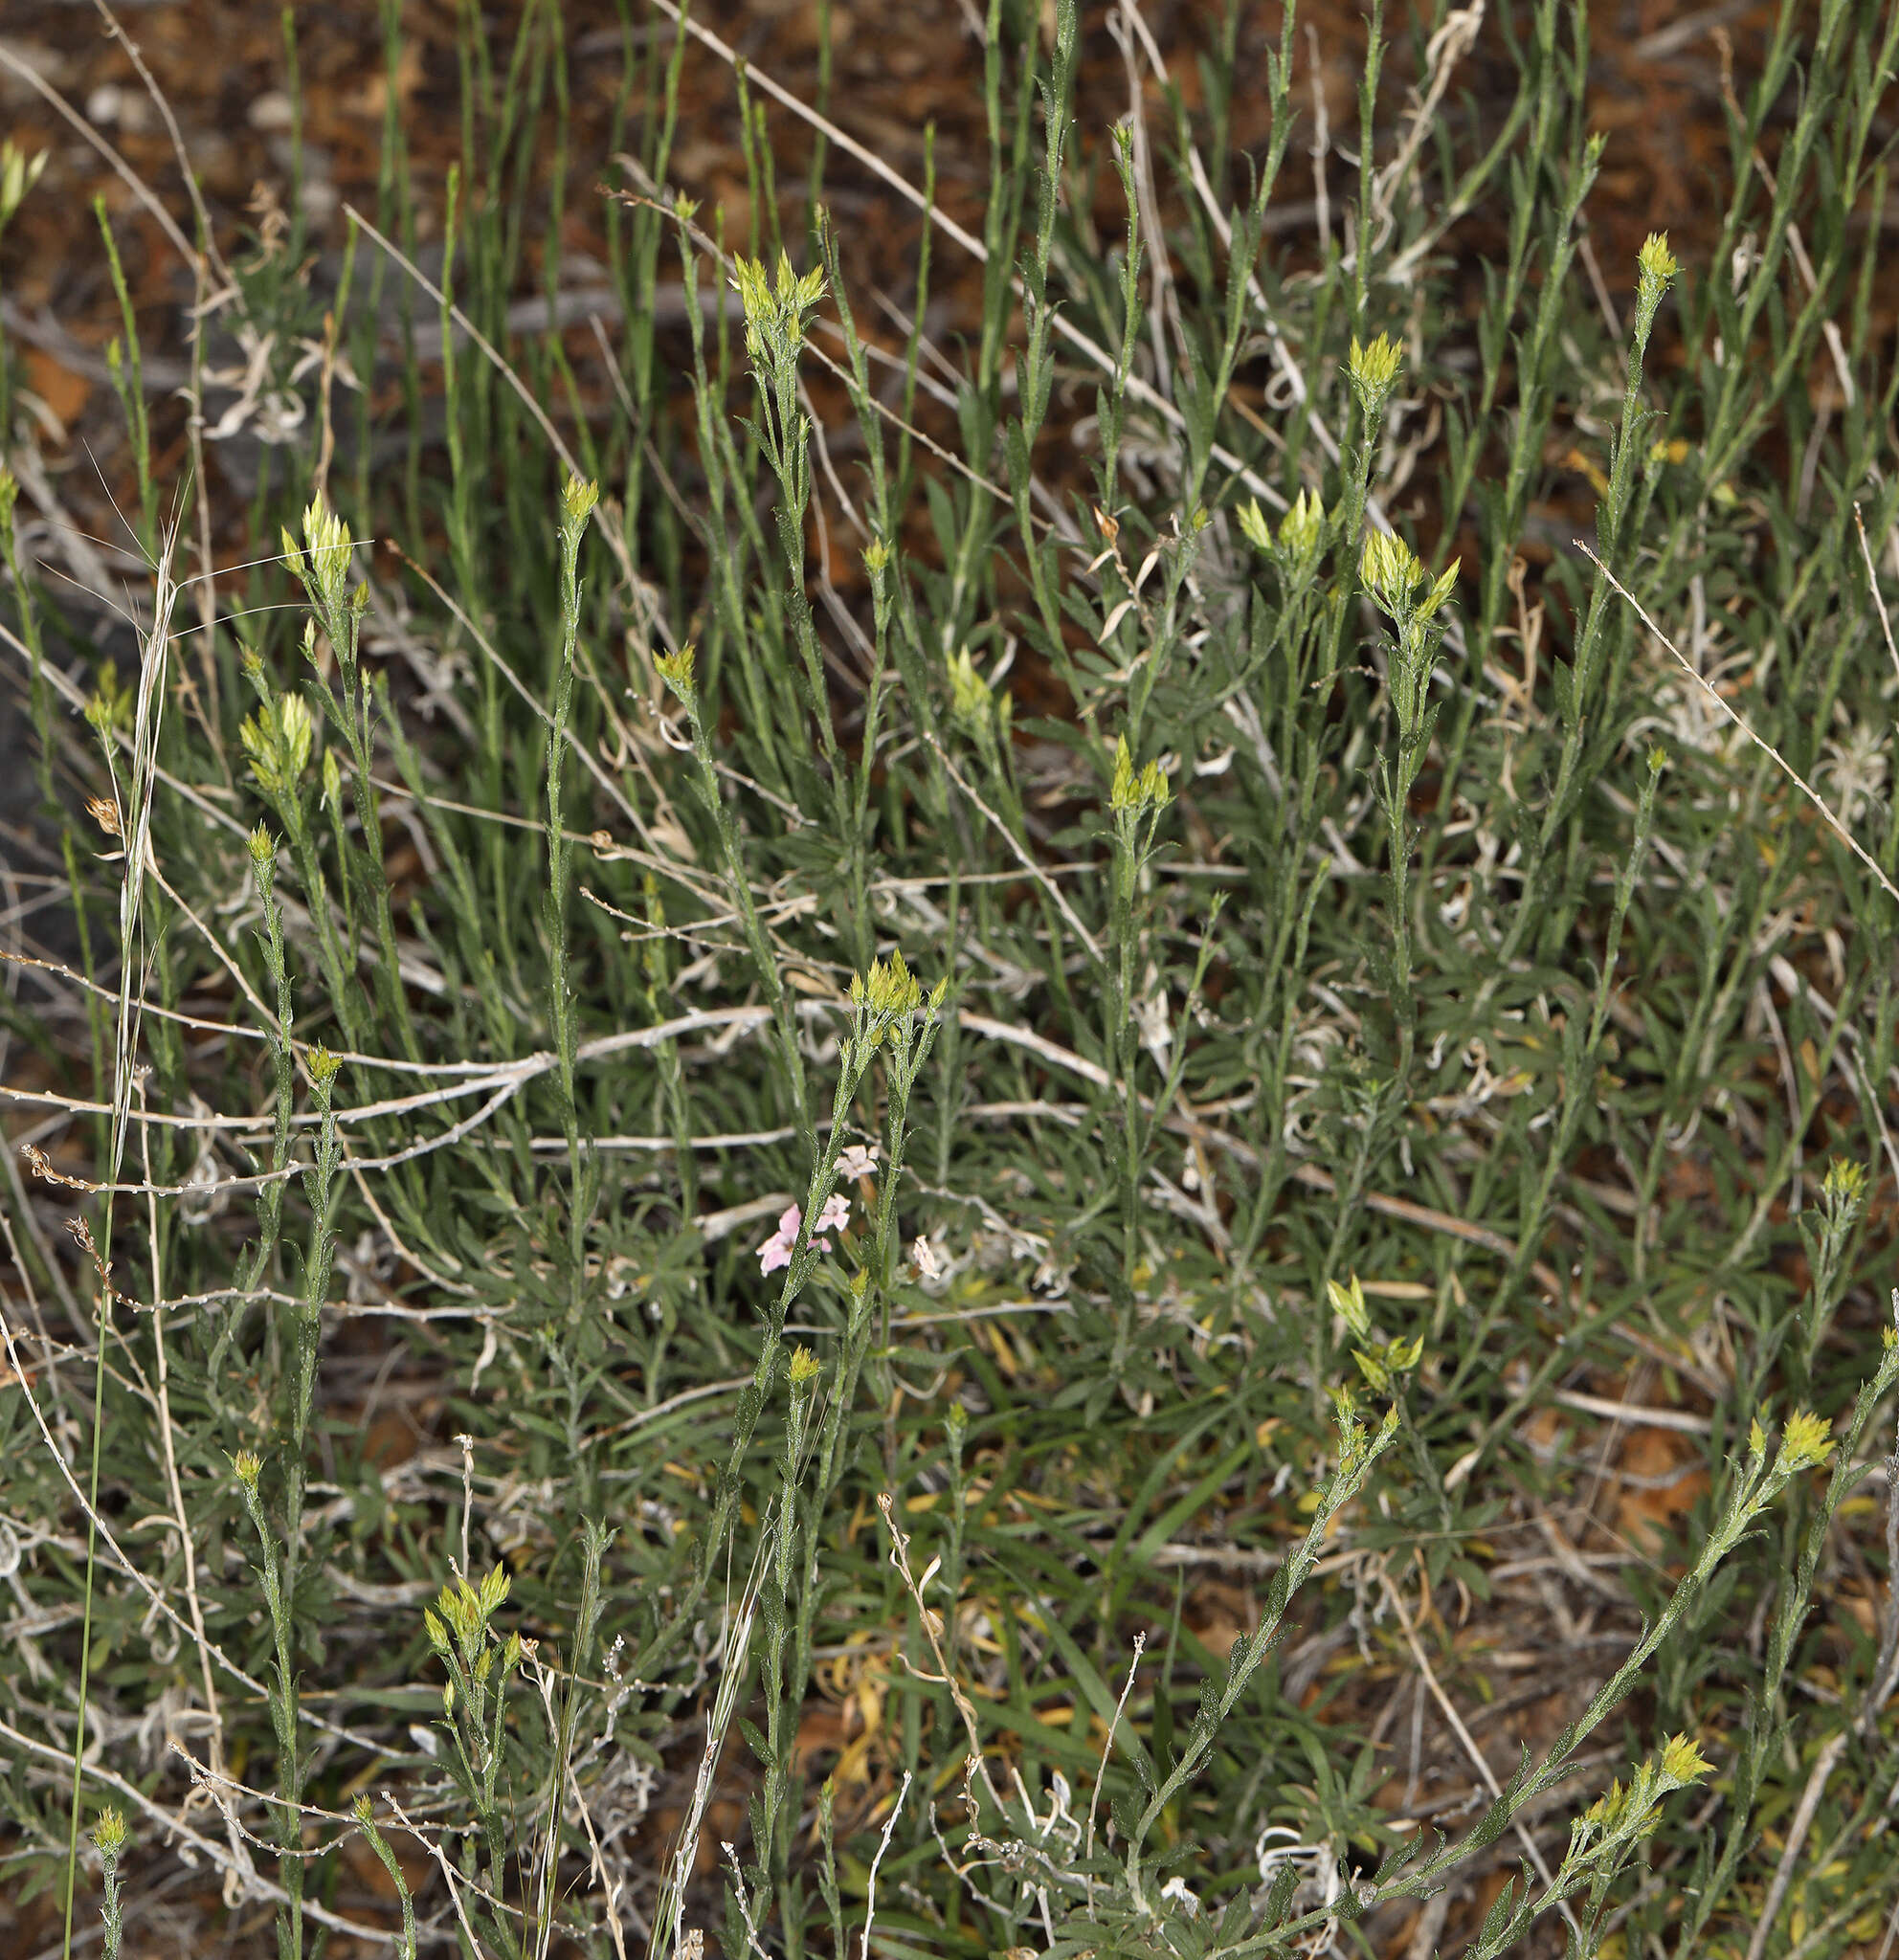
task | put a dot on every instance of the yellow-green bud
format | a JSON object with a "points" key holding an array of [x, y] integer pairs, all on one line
{"points": [[753, 286], [889, 988], [1348, 1303], [110, 705], [1302, 529], [1445, 586], [248, 1466], [1253, 525], [675, 671], [1682, 1762], [20, 173], [969, 695], [295, 732], [1135, 794], [1391, 572], [108, 1833], [494, 1590], [578, 496], [277, 740], [327, 538], [1605, 1812], [1656, 266], [1845, 1184], [1806, 1443], [1374, 372], [804, 1367], [1386, 1366]]}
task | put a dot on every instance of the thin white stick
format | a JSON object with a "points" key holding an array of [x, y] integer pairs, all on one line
{"points": [[1824, 1764], [254, 1881], [1142, 391], [117, 1555], [1107, 1749], [884, 1845], [1872, 586], [1766, 747], [1477, 1756], [1022, 858]]}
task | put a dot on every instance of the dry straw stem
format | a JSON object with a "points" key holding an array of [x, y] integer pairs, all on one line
{"points": [[1739, 721]]}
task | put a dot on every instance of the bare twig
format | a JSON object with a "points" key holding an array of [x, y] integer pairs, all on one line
{"points": [[1765, 747]]}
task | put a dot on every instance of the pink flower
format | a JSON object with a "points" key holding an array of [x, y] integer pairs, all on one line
{"points": [[776, 1251]]}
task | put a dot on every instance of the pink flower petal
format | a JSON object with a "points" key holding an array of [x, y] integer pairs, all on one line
{"points": [[776, 1251]]}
